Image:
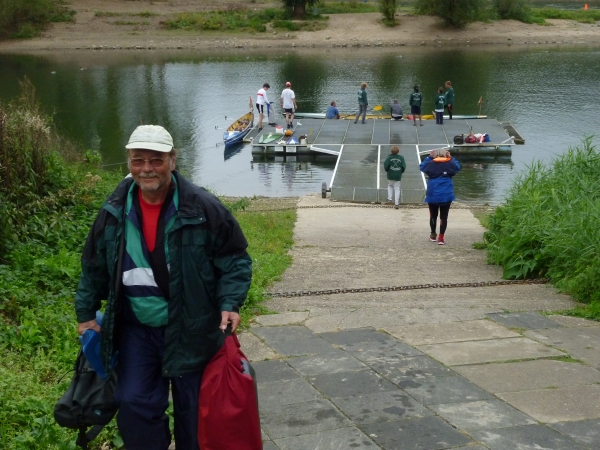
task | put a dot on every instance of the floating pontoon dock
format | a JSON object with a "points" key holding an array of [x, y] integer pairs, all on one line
{"points": [[361, 150]]}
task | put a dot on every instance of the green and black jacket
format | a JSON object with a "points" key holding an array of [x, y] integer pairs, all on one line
{"points": [[209, 272]]}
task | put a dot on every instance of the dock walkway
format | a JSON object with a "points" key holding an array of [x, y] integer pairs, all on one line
{"points": [[362, 148]]}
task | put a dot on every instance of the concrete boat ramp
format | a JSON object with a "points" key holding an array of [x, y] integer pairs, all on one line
{"points": [[361, 149]]}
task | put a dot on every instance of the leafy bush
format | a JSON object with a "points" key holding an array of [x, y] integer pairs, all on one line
{"points": [[513, 9], [388, 9], [456, 13], [548, 226]]}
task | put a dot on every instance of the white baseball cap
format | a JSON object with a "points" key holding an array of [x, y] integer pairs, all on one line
{"points": [[150, 137]]}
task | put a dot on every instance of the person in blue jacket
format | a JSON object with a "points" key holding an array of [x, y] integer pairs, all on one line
{"points": [[439, 167]]}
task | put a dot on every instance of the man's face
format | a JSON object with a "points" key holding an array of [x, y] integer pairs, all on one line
{"points": [[151, 175]]}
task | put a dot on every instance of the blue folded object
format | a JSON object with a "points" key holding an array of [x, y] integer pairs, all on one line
{"points": [[90, 342]]}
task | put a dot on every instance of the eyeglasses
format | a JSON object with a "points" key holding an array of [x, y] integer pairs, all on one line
{"points": [[154, 162]]}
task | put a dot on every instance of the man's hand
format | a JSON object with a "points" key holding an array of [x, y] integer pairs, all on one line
{"points": [[229, 317], [91, 325]]}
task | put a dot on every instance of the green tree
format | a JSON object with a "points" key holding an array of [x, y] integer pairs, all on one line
{"points": [[297, 8], [388, 10], [456, 13]]}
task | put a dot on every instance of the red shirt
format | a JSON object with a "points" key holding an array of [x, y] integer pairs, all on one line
{"points": [[150, 214]]}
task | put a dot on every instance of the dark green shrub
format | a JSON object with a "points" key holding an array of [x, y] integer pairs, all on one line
{"points": [[388, 9], [456, 13], [513, 9]]}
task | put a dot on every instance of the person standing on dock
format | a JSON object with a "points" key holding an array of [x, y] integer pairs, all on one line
{"points": [[288, 103], [415, 101], [395, 166], [261, 101], [362, 102], [439, 101], [439, 167], [449, 98], [332, 111], [396, 110]]}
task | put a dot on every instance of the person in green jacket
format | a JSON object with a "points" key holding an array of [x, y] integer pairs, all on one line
{"points": [[439, 102], [362, 102], [415, 101], [170, 262], [449, 98], [395, 166]]}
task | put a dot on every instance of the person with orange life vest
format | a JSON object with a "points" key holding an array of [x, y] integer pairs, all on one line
{"points": [[439, 167]]}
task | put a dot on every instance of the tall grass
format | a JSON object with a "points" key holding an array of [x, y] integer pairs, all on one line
{"points": [[548, 226]]}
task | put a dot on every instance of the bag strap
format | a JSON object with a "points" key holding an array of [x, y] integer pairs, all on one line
{"points": [[85, 437]]}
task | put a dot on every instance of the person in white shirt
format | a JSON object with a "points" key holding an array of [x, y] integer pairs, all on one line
{"points": [[261, 101], [288, 103]]}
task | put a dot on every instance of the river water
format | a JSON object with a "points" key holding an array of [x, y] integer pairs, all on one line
{"points": [[551, 96]]}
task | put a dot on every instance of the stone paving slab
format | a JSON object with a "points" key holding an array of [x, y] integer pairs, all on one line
{"points": [[439, 390], [586, 432], [411, 372], [334, 362], [290, 318], [278, 334], [482, 415], [557, 405], [276, 370], [299, 347], [342, 384], [569, 338], [301, 418], [451, 332], [588, 356], [429, 433], [528, 437], [380, 407], [529, 320], [347, 338], [568, 321], [340, 439], [285, 392], [529, 375], [474, 352], [269, 445]]}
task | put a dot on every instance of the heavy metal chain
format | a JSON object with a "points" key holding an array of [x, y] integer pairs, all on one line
{"points": [[405, 288], [346, 205]]}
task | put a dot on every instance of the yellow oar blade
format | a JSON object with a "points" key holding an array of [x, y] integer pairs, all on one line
{"points": [[377, 108]]}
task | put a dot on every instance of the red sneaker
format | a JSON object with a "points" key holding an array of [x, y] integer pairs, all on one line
{"points": [[441, 240]]}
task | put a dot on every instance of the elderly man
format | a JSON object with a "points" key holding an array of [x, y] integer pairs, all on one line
{"points": [[170, 260]]}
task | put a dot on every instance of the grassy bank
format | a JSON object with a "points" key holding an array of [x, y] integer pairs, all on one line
{"points": [[25, 19], [548, 226], [50, 193]]}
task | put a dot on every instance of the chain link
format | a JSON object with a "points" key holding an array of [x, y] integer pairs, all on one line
{"points": [[358, 205], [405, 288]]}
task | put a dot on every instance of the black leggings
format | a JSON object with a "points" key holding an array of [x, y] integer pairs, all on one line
{"points": [[444, 208]]}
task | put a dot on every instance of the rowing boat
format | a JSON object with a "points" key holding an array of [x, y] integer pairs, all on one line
{"points": [[267, 138], [240, 128]]}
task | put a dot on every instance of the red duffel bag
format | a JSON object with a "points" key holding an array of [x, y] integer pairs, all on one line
{"points": [[228, 407]]}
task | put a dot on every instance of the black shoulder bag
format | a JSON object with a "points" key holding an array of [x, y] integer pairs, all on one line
{"points": [[89, 400]]}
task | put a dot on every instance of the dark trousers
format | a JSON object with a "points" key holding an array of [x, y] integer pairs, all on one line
{"points": [[449, 108], [444, 209], [143, 394], [439, 117]]}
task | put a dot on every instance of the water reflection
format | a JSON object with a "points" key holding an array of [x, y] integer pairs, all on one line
{"points": [[548, 94]]}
